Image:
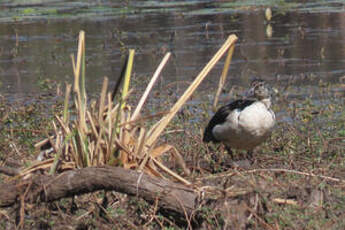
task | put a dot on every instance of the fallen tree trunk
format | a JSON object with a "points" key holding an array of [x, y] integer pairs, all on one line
{"points": [[178, 200]]}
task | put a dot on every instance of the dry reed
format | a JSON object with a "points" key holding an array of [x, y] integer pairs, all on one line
{"points": [[107, 132]]}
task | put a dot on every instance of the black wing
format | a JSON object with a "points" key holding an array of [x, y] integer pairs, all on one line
{"points": [[220, 116]]}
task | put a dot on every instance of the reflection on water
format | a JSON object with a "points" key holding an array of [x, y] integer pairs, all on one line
{"points": [[307, 46]]}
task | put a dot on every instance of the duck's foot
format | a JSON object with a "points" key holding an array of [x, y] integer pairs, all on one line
{"points": [[243, 162], [229, 161]]}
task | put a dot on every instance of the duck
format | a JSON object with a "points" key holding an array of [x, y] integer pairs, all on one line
{"points": [[244, 123]]}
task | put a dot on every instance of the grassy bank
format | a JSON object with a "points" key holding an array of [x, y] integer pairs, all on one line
{"points": [[296, 181]]}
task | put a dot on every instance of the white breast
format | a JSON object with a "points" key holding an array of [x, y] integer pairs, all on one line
{"points": [[247, 128]]}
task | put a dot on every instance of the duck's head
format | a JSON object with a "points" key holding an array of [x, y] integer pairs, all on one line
{"points": [[259, 90]]}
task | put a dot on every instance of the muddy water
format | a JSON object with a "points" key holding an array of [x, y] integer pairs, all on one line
{"points": [[299, 45]]}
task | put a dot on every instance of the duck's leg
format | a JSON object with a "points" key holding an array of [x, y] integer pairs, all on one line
{"points": [[228, 149], [250, 155]]}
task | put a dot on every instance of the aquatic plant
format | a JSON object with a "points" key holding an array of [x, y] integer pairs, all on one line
{"points": [[108, 131]]}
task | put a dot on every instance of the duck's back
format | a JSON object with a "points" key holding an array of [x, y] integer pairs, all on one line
{"points": [[247, 128], [222, 116]]}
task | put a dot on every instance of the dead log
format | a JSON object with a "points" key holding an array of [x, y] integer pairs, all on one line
{"points": [[177, 200], [9, 171]]}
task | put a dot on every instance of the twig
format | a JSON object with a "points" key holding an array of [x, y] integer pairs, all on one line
{"points": [[140, 119], [188, 218], [149, 87], [261, 221], [3, 212], [155, 208], [285, 201], [171, 173], [232, 173], [22, 206], [295, 172], [255, 207]]}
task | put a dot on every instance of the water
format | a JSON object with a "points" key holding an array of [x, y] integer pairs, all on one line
{"points": [[303, 42]]}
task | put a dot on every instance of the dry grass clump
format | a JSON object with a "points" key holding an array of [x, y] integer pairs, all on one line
{"points": [[108, 131]]}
